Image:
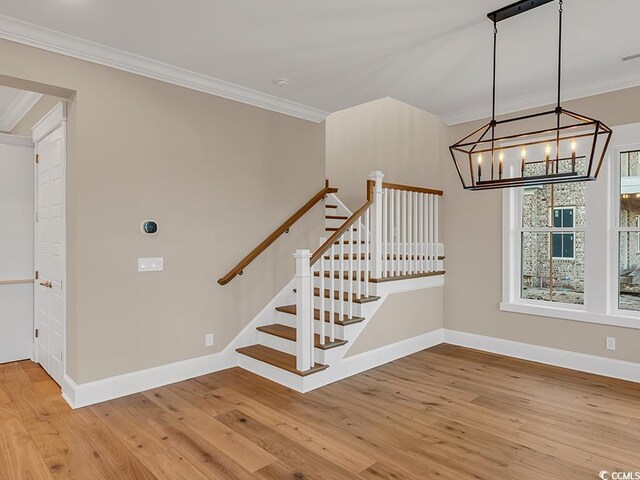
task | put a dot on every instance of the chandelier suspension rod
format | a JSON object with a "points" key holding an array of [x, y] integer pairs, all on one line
{"points": [[560, 53]]}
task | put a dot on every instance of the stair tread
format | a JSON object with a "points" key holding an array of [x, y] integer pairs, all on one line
{"points": [[278, 359], [333, 229], [336, 217], [345, 320], [290, 333], [331, 206], [336, 296]]}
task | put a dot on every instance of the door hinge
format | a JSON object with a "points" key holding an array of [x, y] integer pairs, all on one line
{"points": [[36, 216], [36, 333], [37, 158], [37, 274]]}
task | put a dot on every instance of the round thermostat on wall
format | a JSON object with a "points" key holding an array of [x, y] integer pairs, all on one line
{"points": [[149, 227]]}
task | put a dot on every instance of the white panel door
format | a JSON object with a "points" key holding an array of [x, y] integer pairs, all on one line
{"points": [[50, 253]]}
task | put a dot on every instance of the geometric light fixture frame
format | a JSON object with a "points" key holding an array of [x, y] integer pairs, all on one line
{"points": [[555, 146]]}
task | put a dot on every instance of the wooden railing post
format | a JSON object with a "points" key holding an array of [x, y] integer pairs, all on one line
{"points": [[376, 225], [304, 311]]}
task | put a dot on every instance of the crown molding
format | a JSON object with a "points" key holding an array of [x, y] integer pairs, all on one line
{"points": [[541, 98], [36, 36], [18, 109]]}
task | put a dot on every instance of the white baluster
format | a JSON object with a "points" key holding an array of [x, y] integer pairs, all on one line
{"points": [[342, 273], [436, 232], [322, 309], [409, 229], [304, 311], [351, 272], [359, 228], [419, 231], [425, 246], [367, 235], [385, 231], [332, 283], [392, 211], [398, 231], [416, 231], [431, 266]]}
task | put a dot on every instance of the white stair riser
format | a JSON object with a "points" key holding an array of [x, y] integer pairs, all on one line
{"points": [[290, 321], [332, 222], [337, 305], [289, 346]]}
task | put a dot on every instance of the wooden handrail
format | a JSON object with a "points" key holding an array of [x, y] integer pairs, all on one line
{"points": [[345, 226], [408, 188], [238, 269]]}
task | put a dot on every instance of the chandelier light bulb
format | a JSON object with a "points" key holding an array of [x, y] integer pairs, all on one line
{"points": [[548, 149], [524, 152], [480, 159], [573, 146]]}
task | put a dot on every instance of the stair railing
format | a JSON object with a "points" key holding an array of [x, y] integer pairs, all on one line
{"points": [[394, 234], [410, 233]]}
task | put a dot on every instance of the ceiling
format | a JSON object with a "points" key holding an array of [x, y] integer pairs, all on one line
{"points": [[14, 104], [434, 54]]}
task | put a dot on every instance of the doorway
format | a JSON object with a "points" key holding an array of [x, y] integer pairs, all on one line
{"points": [[33, 240]]}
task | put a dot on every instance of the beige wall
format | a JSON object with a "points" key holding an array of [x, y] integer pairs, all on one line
{"points": [[39, 110], [217, 175], [401, 316], [407, 144], [472, 228]]}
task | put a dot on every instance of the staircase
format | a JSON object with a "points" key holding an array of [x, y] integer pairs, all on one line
{"points": [[388, 245]]}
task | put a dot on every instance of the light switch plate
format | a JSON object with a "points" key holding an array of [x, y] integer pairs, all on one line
{"points": [[208, 340], [151, 264]]}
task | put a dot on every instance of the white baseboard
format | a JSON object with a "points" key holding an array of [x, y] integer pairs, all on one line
{"points": [[121, 385], [582, 362]]}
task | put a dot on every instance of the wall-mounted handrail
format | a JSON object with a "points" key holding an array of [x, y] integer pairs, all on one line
{"points": [[238, 269]]}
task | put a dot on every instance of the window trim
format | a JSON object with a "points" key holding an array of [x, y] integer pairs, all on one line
{"points": [[601, 298]]}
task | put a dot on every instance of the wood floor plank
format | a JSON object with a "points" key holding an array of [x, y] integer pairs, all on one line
{"points": [[235, 446], [19, 457], [289, 452]]}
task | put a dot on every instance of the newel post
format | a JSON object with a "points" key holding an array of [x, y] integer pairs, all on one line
{"points": [[376, 224], [304, 311]]}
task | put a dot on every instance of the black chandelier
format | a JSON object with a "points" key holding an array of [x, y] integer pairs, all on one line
{"points": [[556, 146]]}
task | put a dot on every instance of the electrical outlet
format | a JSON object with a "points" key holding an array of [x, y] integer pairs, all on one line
{"points": [[208, 340], [611, 343]]}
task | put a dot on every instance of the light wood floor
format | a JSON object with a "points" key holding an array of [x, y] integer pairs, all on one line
{"points": [[445, 413]]}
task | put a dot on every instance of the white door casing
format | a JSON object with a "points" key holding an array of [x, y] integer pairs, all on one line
{"points": [[50, 253]]}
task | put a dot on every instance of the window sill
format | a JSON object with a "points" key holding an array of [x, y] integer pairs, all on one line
{"points": [[578, 314]]}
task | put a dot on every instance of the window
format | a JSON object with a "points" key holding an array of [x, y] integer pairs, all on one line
{"points": [[572, 251], [629, 231]]}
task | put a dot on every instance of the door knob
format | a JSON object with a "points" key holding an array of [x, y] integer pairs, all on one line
{"points": [[46, 284]]}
